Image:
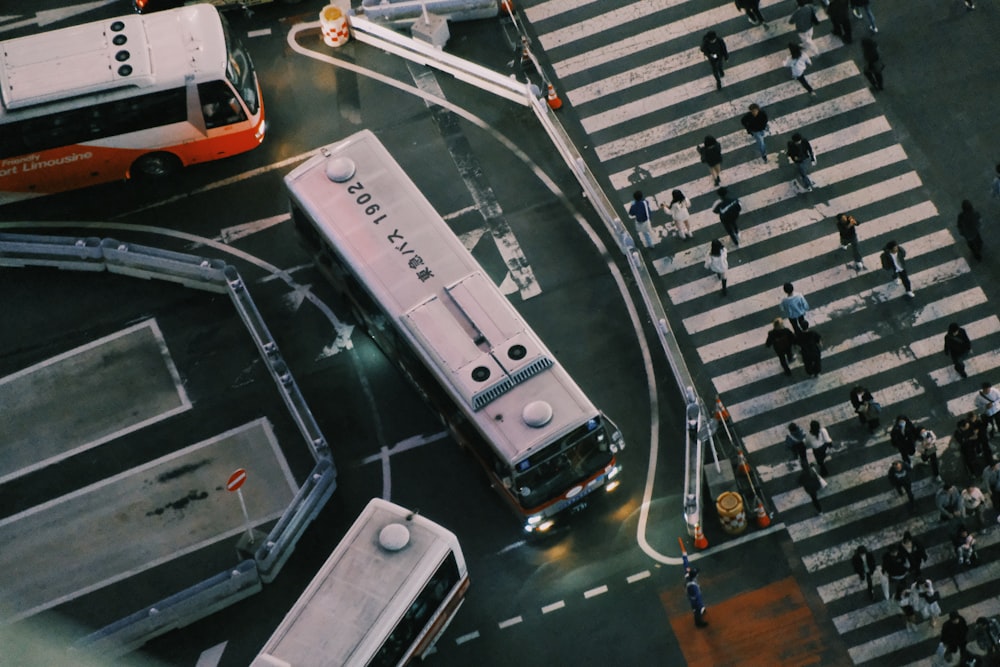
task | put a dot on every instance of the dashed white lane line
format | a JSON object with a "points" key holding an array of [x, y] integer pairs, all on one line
{"points": [[510, 621], [467, 637], [594, 592], [638, 576], [553, 607]]}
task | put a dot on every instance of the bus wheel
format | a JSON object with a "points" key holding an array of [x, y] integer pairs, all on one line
{"points": [[155, 165]]}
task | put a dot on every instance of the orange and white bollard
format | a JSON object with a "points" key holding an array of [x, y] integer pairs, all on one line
{"points": [[720, 410], [553, 99], [699, 537], [333, 25], [506, 6], [742, 464]]}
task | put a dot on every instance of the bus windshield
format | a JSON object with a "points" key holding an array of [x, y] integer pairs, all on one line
{"points": [[239, 69], [549, 473]]}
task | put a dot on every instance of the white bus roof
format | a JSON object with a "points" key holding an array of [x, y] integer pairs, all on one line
{"points": [[457, 319], [349, 595], [164, 49]]}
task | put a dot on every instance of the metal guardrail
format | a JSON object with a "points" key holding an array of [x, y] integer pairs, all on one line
{"points": [[529, 95], [213, 275]]}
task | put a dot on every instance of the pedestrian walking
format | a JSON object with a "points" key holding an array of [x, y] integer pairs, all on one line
{"points": [[958, 346], [728, 209], [797, 62], [894, 261], [752, 9], [869, 411], [710, 152], [873, 63], [795, 442], [717, 263], [949, 502], [859, 396], [974, 504], [967, 440], [983, 451], [847, 228], [895, 569], [809, 343], [801, 154], [715, 51], [926, 444], [863, 562], [780, 339], [812, 482], [903, 436], [640, 213], [804, 19], [680, 213], [916, 554], [694, 597], [755, 121], [988, 404], [965, 546], [969, 221], [930, 601], [907, 606], [991, 483], [839, 12], [795, 307], [955, 633], [818, 440], [859, 6], [899, 478]]}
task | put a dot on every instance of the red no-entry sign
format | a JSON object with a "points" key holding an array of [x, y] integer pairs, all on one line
{"points": [[236, 480]]}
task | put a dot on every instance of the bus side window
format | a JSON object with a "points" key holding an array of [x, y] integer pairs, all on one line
{"points": [[219, 104]]}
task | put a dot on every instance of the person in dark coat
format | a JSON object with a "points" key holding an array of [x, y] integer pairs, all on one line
{"points": [[781, 339], [967, 439], [955, 633], [916, 554], [754, 122], [839, 12], [873, 62], [894, 261], [847, 227], [859, 396], [895, 568], [795, 442], [694, 597], [710, 153], [957, 345], [810, 481], [715, 50], [752, 8], [809, 343], [969, 221], [899, 477], [863, 562], [903, 437]]}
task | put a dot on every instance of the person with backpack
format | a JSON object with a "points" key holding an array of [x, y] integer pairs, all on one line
{"points": [[804, 19], [640, 213], [801, 154], [728, 209]]}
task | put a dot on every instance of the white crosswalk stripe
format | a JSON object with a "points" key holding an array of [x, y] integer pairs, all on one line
{"points": [[646, 98]]}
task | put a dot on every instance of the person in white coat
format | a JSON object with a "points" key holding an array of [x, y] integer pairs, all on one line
{"points": [[717, 262], [679, 213]]}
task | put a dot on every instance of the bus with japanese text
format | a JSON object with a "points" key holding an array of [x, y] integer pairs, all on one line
{"points": [[121, 97], [383, 597], [428, 304]]}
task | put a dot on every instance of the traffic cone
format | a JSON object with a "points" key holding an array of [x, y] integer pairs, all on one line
{"points": [[507, 6], [743, 466], [554, 101], [763, 520], [720, 410], [699, 538]]}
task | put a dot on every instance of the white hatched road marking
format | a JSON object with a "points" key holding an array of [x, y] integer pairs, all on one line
{"points": [[553, 607]]}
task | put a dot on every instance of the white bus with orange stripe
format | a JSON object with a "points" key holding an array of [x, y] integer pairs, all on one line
{"points": [[432, 309], [121, 97]]}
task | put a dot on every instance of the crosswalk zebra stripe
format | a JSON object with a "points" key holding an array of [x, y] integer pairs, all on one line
{"points": [[692, 57], [770, 367], [835, 414], [551, 8], [806, 252], [607, 20], [693, 122], [785, 124], [882, 537], [821, 211], [853, 373], [769, 301]]}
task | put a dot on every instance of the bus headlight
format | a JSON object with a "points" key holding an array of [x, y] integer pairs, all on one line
{"points": [[538, 524]]}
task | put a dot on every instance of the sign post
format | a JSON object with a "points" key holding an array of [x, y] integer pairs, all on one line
{"points": [[235, 482]]}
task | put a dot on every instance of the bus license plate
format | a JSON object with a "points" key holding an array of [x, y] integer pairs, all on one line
{"points": [[579, 507]]}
